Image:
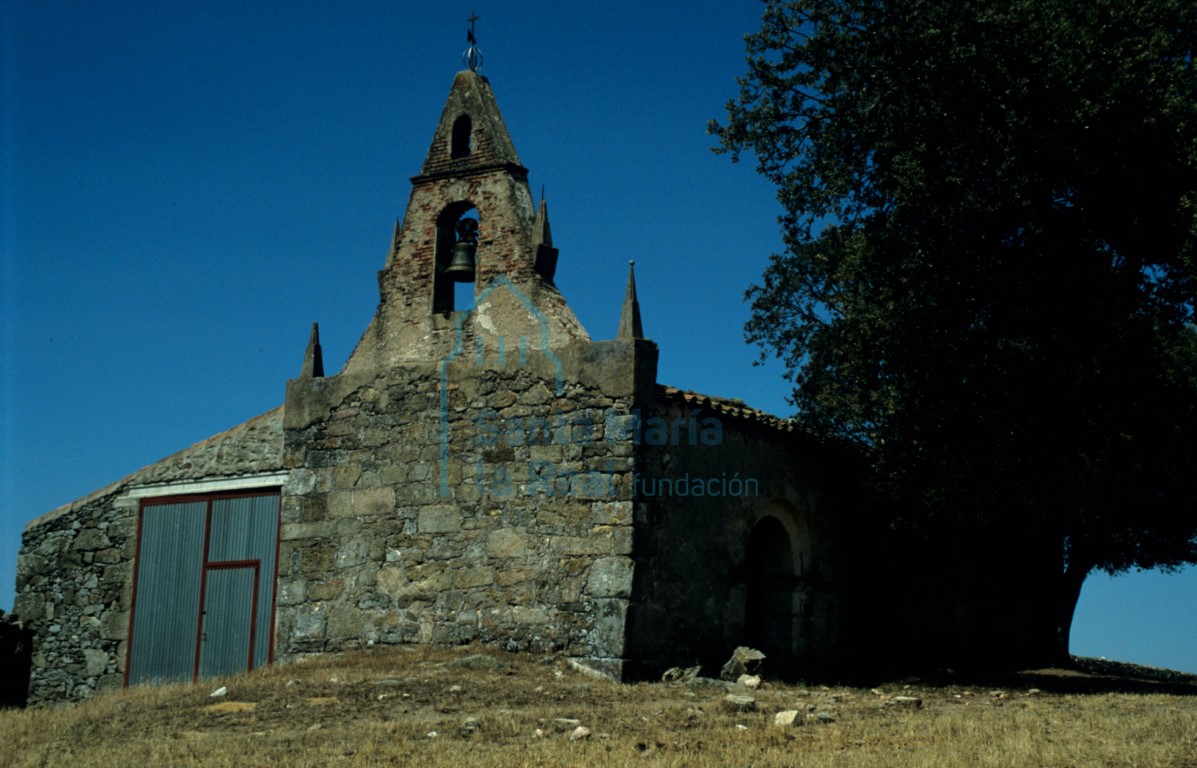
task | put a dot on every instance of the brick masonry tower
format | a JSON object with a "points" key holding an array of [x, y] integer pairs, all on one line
{"points": [[471, 171]]}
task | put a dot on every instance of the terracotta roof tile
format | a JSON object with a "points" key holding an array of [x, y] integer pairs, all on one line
{"points": [[728, 406]]}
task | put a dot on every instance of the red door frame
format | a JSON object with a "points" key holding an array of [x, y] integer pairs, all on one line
{"points": [[208, 498], [253, 611]]}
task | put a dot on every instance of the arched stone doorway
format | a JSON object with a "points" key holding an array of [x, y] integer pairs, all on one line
{"points": [[769, 602]]}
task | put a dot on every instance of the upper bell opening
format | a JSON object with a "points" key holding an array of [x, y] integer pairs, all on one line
{"points": [[460, 143]]}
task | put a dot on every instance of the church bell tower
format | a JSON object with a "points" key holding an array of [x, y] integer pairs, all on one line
{"points": [[469, 219]]}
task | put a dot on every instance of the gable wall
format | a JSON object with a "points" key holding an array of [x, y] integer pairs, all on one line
{"points": [[524, 540]]}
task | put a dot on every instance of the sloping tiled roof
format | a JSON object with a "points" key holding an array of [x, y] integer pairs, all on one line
{"points": [[726, 406], [251, 447]]}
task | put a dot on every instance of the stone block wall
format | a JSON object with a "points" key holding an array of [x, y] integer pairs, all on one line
{"points": [[74, 590], [722, 474], [501, 513]]}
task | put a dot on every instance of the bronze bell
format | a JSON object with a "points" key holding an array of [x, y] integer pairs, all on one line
{"points": [[461, 266]]}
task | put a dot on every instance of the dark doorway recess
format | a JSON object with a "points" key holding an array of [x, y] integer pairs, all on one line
{"points": [[769, 605]]}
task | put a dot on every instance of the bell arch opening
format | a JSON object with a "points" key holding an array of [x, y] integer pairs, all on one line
{"points": [[456, 258], [769, 602], [460, 142]]}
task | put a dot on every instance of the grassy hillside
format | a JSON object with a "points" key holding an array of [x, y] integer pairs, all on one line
{"points": [[475, 708]]}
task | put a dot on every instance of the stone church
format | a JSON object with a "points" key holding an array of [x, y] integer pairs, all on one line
{"points": [[484, 474]]}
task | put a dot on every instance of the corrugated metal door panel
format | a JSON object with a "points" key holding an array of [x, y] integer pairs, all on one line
{"points": [[246, 528], [230, 535], [264, 540], [169, 573], [228, 621]]}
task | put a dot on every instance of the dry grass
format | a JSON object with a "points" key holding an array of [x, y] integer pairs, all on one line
{"points": [[379, 708]]}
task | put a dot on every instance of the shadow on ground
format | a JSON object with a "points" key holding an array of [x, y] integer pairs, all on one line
{"points": [[1084, 675]]}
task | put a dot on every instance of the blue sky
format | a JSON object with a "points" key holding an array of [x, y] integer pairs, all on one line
{"points": [[186, 186]]}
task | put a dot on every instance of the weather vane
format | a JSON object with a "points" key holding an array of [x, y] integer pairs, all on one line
{"points": [[472, 58]]}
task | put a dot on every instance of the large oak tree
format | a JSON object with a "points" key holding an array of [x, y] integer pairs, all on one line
{"points": [[988, 276]]}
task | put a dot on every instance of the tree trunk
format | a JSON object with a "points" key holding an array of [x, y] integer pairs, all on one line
{"points": [[1068, 595]]}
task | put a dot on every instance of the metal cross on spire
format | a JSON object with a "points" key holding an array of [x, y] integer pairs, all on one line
{"points": [[472, 57]]}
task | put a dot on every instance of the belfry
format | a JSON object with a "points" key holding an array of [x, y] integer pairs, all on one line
{"points": [[470, 205]]}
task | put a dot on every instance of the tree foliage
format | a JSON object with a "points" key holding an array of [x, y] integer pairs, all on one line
{"points": [[990, 237]]}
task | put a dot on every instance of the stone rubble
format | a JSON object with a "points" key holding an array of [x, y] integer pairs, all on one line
{"points": [[735, 702], [681, 674], [744, 661]]}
